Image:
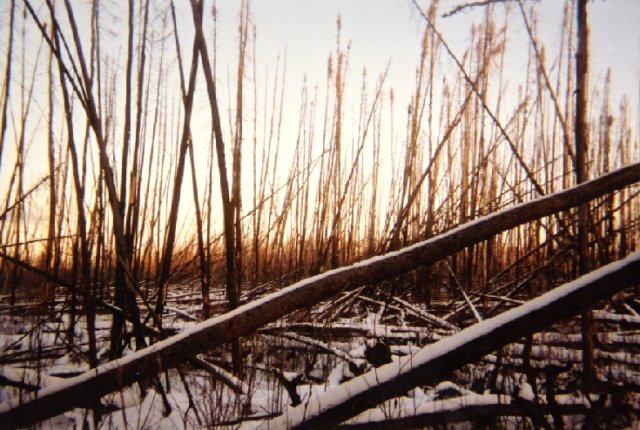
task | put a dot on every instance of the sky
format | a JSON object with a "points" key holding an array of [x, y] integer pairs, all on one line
{"points": [[380, 34], [387, 33], [382, 31]]}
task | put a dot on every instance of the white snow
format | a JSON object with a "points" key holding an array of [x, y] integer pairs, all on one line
{"points": [[525, 391], [293, 416], [409, 408]]}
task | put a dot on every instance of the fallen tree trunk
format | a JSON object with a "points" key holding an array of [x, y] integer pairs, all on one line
{"points": [[173, 351], [434, 362], [472, 408]]}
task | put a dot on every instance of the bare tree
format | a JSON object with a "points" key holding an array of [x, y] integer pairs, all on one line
{"points": [[173, 351], [85, 253], [6, 90], [227, 207], [581, 129], [185, 142]]}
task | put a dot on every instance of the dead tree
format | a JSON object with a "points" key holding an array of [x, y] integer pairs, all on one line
{"points": [[582, 152], [173, 351], [232, 273]]}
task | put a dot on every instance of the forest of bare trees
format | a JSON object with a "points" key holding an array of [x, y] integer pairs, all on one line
{"points": [[184, 245]]}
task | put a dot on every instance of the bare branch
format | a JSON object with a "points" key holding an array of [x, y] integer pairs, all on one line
{"points": [[469, 5]]}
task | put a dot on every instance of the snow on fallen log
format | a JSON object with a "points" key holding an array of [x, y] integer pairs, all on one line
{"points": [[424, 315], [245, 319], [568, 355], [604, 316], [434, 361], [180, 312], [470, 407], [604, 339], [237, 385]]}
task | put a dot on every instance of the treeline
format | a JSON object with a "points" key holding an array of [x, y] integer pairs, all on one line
{"points": [[133, 201]]}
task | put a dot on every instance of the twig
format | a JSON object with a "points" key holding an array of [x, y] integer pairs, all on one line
{"points": [[469, 5], [318, 344], [464, 295], [221, 375], [425, 315], [25, 195]]}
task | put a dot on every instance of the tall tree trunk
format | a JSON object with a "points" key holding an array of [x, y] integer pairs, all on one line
{"points": [[7, 79], [85, 254], [135, 183], [51, 158], [177, 184], [581, 142], [227, 207], [236, 186]]}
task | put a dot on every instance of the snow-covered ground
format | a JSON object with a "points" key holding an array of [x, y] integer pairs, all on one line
{"points": [[321, 355]]}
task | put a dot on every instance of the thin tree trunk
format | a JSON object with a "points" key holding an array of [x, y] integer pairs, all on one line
{"points": [[132, 210], [236, 196], [236, 172], [227, 207], [51, 158], [127, 115], [582, 151], [7, 79], [177, 184], [205, 278]]}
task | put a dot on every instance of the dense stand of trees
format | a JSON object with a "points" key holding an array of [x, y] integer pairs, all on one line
{"points": [[280, 194]]}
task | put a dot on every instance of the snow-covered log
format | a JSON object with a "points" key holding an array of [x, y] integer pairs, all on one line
{"points": [[235, 384], [243, 320], [433, 362], [472, 407], [426, 316], [347, 330], [553, 354], [609, 317]]}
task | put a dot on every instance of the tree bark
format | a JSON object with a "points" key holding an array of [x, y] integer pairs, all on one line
{"points": [[444, 414], [582, 151], [233, 294], [177, 185]]}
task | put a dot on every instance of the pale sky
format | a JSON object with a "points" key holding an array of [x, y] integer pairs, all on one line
{"points": [[382, 32], [390, 30]]}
